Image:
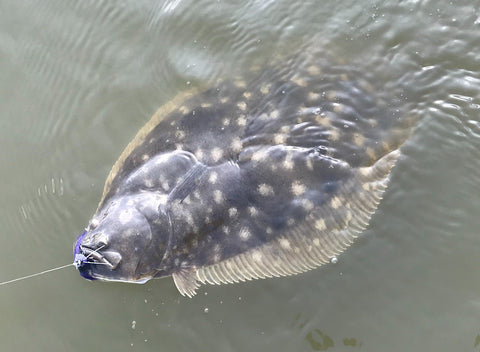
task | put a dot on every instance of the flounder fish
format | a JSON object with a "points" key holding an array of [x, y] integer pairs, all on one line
{"points": [[257, 177]]}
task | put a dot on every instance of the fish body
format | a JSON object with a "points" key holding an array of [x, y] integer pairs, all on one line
{"points": [[261, 177]]}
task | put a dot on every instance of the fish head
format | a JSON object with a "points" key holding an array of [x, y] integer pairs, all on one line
{"points": [[125, 241]]}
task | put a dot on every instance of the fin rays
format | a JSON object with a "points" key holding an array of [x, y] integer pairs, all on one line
{"points": [[305, 246]]}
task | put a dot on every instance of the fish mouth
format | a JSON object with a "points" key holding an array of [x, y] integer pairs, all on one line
{"points": [[95, 255], [88, 255]]}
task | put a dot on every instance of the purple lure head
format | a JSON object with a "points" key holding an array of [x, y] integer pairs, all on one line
{"points": [[79, 260]]}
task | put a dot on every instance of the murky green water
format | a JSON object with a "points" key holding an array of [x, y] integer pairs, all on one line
{"points": [[78, 79]]}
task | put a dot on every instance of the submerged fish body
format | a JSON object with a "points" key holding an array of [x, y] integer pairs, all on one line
{"points": [[265, 177]]}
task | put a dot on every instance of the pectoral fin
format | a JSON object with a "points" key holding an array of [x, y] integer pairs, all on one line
{"points": [[186, 281]]}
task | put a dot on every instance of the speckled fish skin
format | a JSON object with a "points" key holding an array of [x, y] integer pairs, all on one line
{"points": [[269, 176]]}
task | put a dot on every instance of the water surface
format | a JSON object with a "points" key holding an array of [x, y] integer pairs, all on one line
{"points": [[78, 79]]}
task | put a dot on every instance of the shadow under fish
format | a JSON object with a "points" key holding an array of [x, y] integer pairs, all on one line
{"points": [[257, 177]]}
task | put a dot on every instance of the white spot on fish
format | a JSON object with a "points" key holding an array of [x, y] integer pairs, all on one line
{"points": [[247, 95], [320, 225], [257, 255], [259, 155], [298, 188], [94, 223], [226, 122], [284, 243], [180, 134], [364, 171], [148, 183], [216, 154], [307, 204], [338, 108], [213, 177], [242, 105], [252, 211], [323, 120], [226, 230], [264, 89], [232, 212], [199, 154], [334, 135], [358, 139], [244, 234], [236, 145], [241, 120], [279, 139], [335, 203], [265, 190], [145, 157], [218, 196], [288, 162], [274, 114], [264, 116]]}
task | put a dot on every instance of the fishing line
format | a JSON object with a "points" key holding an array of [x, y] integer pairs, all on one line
{"points": [[37, 274], [75, 264]]}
